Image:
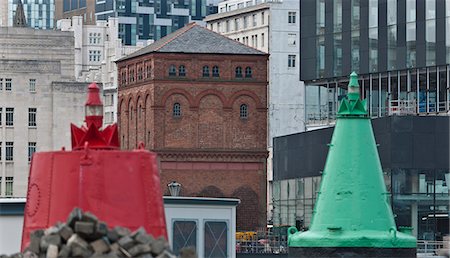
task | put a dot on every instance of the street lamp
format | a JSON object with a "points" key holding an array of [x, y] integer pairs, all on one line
{"points": [[174, 188]]}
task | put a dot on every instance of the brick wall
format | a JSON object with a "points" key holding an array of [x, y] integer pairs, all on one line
{"points": [[209, 149]]}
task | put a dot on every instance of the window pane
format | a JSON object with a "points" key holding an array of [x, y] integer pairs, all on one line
{"points": [[411, 44], [337, 54], [337, 15], [373, 13], [373, 49], [430, 40], [392, 47], [184, 235], [216, 239]]}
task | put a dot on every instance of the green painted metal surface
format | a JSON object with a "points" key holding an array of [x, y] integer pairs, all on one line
{"points": [[352, 208]]}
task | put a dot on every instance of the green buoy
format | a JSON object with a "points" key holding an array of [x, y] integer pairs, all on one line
{"points": [[352, 216]]}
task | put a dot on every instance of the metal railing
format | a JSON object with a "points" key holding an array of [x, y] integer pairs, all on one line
{"points": [[430, 247], [279, 246]]}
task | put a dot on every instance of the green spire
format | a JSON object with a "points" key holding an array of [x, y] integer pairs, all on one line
{"points": [[352, 208], [352, 105]]}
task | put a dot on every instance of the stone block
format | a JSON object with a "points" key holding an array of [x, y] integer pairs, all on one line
{"points": [[51, 230], [139, 249], [158, 246], [35, 241], [74, 216], [126, 242], [100, 246], [121, 231], [52, 251], [65, 252], [101, 229], [49, 240], [89, 217], [65, 232], [143, 237], [86, 228], [76, 240], [112, 235]]}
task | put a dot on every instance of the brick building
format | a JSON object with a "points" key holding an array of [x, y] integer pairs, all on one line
{"points": [[199, 100]]}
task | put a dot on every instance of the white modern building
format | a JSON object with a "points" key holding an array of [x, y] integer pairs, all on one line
{"points": [[270, 26], [38, 100], [97, 47]]}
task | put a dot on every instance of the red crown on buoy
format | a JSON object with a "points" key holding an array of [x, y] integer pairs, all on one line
{"points": [[91, 132]]}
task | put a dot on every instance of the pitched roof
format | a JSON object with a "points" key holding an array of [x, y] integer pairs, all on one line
{"points": [[194, 38]]}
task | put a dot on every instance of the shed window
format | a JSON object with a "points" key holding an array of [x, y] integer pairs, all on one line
{"points": [[172, 70], [248, 72], [205, 71], [215, 71], [238, 72], [182, 70], [176, 112], [243, 111]]}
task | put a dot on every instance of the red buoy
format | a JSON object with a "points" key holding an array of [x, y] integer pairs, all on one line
{"points": [[122, 188]]}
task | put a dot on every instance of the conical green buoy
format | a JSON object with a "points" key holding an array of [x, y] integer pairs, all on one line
{"points": [[352, 216]]}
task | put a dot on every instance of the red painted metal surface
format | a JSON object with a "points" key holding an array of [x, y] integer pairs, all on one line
{"points": [[122, 188]]}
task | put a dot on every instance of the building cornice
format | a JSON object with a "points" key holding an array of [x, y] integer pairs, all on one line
{"points": [[212, 155], [237, 12]]}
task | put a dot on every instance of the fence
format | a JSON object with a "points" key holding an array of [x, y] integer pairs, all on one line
{"points": [[277, 245]]}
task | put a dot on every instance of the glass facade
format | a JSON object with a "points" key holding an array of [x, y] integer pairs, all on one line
{"points": [[152, 19], [421, 91], [40, 14], [396, 49]]}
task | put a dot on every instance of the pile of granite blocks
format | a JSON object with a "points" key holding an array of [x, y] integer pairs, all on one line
{"points": [[83, 235]]}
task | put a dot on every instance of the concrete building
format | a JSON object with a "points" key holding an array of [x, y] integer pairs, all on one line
{"points": [[37, 93], [198, 100], [97, 47], [144, 20], [272, 27], [39, 14], [66, 9]]}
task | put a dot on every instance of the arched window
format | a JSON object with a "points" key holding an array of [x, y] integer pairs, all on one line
{"points": [[238, 72], [124, 77], [172, 70], [215, 71], [243, 111], [182, 70], [248, 72], [131, 75], [139, 76], [140, 111], [176, 112], [149, 70], [205, 71]]}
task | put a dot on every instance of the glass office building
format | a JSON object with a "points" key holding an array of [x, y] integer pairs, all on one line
{"points": [[400, 49], [40, 14], [141, 20]]}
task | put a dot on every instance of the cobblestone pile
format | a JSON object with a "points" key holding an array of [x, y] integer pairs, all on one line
{"points": [[83, 235]]}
